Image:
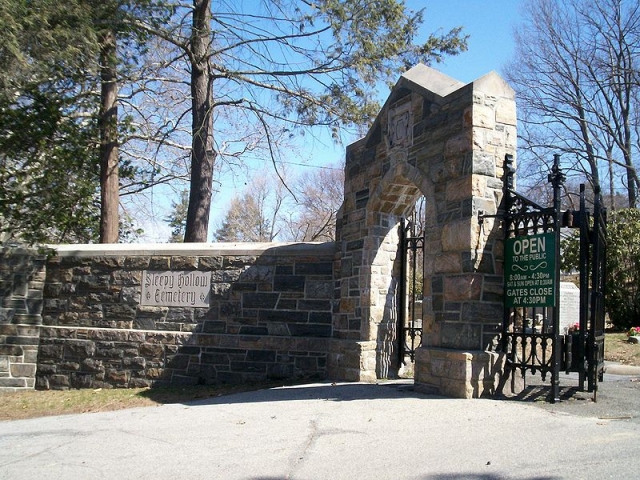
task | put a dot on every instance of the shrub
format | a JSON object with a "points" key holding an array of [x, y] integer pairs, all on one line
{"points": [[623, 268], [622, 300]]}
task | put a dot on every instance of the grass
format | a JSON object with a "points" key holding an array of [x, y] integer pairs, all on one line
{"points": [[39, 403], [34, 403], [618, 349]]}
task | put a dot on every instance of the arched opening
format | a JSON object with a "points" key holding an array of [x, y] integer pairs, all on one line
{"points": [[394, 200], [412, 247]]}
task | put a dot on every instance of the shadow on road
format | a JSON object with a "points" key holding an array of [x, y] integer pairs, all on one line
{"points": [[334, 392], [617, 398]]}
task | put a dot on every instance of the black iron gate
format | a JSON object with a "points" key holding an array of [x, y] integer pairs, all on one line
{"points": [[531, 335], [584, 348], [410, 291]]}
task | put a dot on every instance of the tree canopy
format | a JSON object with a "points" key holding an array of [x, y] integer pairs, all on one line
{"points": [[200, 86], [48, 175], [53, 122]]}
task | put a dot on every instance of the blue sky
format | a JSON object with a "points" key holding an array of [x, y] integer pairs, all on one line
{"points": [[488, 22]]}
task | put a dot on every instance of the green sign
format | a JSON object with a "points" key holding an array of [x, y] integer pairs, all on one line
{"points": [[530, 269]]}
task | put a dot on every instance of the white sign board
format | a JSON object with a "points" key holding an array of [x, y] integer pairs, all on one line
{"points": [[569, 305], [176, 289]]}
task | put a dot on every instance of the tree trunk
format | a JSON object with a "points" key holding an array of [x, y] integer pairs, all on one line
{"points": [[202, 151], [109, 172], [612, 186], [631, 174]]}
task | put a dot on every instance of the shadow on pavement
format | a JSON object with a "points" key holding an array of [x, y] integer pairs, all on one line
{"points": [[329, 391], [335, 392], [617, 398], [464, 476]]}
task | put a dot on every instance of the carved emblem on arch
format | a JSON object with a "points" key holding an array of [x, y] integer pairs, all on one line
{"points": [[400, 126]]}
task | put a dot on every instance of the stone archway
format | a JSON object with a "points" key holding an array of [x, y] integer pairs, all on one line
{"points": [[445, 140], [394, 198]]}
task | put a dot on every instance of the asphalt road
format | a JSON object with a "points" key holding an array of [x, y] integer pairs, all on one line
{"points": [[617, 397], [345, 431]]}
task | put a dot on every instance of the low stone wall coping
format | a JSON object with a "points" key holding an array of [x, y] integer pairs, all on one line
{"points": [[194, 249]]}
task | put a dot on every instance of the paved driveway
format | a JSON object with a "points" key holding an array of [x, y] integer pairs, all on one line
{"points": [[324, 431]]}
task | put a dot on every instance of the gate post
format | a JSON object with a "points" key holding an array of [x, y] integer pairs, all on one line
{"points": [[464, 280], [556, 178]]}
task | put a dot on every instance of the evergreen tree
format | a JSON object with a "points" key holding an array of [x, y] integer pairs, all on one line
{"points": [[48, 165], [178, 218], [244, 222], [55, 128]]}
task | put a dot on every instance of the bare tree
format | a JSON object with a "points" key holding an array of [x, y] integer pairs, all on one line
{"points": [[242, 222], [576, 78], [319, 195], [256, 215], [267, 211]]}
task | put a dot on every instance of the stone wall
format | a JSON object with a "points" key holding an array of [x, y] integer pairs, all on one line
{"points": [[268, 316], [22, 273]]}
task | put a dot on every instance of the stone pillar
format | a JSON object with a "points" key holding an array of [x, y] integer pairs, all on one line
{"points": [[22, 274], [464, 257]]}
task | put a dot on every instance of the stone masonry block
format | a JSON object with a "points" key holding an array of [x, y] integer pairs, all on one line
{"points": [[456, 236], [259, 300], [462, 188], [4, 365], [462, 287], [23, 370], [210, 263], [484, 165], [461, 374], [151, 350], [51, 352], [319, 289], [458, 144], [481, 312], [446, 263], [461, 336], [289, 283], [505, 111], [183, 262], [484, 116], [9, 382], [79, 349], [107, 335], [137, 262]]}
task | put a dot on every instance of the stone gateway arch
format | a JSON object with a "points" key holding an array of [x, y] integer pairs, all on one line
{"points": [[105, 316], [438, 138]]}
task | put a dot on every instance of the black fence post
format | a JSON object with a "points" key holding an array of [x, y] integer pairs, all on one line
{"points": [[584, 283], [402, 293], [556, 178], [509, 173]]}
